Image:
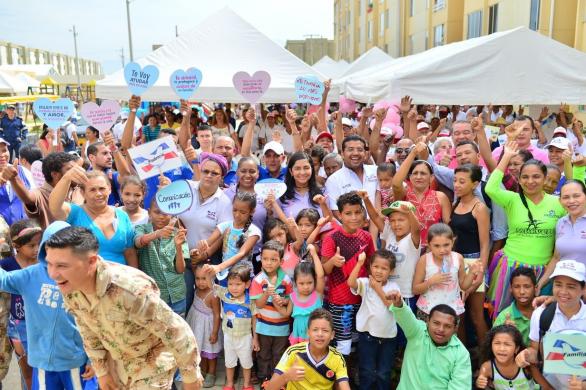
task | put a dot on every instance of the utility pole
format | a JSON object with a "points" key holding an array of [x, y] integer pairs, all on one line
{"points": [[176, 31], [129, 30], [76, 61], [122, 56], [311, 36]]}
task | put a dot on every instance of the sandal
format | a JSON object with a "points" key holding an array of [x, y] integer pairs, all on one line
{"points": [[209, 381], [228, 388]]}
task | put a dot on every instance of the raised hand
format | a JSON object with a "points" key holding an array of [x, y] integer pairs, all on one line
{"points": [[296, 372], [134, 103], [395, 298], [337, 258], [183, 107], [190, 153], [180, 236], [406, 103], [363, 194], [76, 174], [319, 199], [366, 112], [511, 148], [168, 230], [380, 114], [250, 115], [482, 380], [361, 258], [291, 115], [509, 320]]}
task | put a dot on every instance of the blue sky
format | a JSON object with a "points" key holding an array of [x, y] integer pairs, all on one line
{"points": [[102, 32]]}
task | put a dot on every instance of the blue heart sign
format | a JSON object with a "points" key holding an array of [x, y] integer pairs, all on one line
{"points": [[308, 89], [185, 82], [176, 198], [53, 114], [139, 79]]}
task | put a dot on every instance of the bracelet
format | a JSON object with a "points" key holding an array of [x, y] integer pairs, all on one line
{"points": [[195, 161]]}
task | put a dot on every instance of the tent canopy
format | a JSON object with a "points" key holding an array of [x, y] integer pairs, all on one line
{"points": [[372, 57], [517, 66], [39, 72], [11, 84], [330, 67], [220, 46]]}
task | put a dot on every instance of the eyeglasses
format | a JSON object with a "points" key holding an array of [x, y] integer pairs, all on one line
{"points": [[402, 150], [207, 172]]}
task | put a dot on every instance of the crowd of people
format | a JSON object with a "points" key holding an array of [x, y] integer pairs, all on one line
{"points": [[433, 257]]}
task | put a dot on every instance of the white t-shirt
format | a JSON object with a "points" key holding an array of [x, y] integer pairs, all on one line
{"points": [[345, 180], [373, 316], [577, 147], [286, 138], [254, 148], [118, 129], [560, 323], [224, 131], [201, 219], [406, 255]]}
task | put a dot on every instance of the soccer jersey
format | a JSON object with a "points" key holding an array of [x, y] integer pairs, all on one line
{"points": [[320, 375]]}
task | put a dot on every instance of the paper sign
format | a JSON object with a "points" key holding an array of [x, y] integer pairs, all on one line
{"points": [[264, 187], [185, 82], [140, 79], [176, 198], [565, 353], [252, 88], [54, 114], [155, 157], [101, 117], [308, 89], [37, 171]]}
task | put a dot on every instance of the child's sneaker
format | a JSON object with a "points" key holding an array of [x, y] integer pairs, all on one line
{"points": [[265, 383], [209, 381]]}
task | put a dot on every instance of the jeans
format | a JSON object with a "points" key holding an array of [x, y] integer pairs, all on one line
{"points": [[190, 286], [376, 358]]}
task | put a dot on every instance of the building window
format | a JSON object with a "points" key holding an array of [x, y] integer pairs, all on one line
{"points": [[387, 19], [412, 7], [370, 30], [381, 24], [438, 4], [534, 15], [474, 24], [438, 35], [426, 40], [493, 13], [411, 44]]}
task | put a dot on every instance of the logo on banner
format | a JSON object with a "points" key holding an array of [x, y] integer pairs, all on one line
{"points": [[155, 157]]}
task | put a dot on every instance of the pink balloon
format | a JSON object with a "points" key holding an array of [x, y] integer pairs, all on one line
{"points": [[397, 130], [381, 104], [393, 116], [347, 105]]}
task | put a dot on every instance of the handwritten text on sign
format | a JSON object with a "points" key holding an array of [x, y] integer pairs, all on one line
{"points": [[140, 79], [251, 88], [54, 114], [185, 83], [308, 89], [101, 117], [176, 198]]}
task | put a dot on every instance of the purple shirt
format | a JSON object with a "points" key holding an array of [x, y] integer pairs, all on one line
{"points": [[570, 240], [260, 214], [300, 202]]}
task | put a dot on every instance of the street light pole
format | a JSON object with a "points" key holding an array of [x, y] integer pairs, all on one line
{"points": [[76, 61], [129, 30]]}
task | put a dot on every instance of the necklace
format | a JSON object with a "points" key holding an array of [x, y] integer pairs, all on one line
{"points": [[203, 198]]}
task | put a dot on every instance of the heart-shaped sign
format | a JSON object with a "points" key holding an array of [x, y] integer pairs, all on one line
{"points": [[308, 89], [252, 88], [101, 117], [140, 79], [263, 188], [53, 114], [176, 198], [185, 82]]}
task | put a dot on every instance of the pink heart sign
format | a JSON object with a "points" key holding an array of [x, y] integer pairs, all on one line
{"points": [[252, 88], [101, 117]]}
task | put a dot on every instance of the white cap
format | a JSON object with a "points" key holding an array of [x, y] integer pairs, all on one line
{"points": [[386, 131], [560, 143], [571, 269], [560, 130], [444, 133], [422, 125], [346, 122], [275, 147], [3, 141]]}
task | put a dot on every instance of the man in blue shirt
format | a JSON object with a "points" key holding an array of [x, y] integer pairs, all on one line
{"points": [[13, 130]]}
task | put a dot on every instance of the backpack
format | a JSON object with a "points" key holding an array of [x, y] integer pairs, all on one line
{"points": [[545, 320]]}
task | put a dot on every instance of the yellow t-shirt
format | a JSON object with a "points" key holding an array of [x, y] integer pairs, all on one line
{"points": [[318, 375]]}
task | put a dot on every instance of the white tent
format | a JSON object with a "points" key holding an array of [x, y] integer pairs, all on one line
{"points": [[28, 80], [39, 72], [10, 84], [330, 67], [372, 57], [220, 46], [518, 66]]}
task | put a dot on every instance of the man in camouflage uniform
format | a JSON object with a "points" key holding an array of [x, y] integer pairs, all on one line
{"points": [[133, 339]]}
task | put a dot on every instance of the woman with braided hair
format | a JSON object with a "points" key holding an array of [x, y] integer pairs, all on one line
{"points": [[238, 236], [532, 215]]}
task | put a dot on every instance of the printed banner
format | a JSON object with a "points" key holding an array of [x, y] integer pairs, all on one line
{"points": [[155, 157]]}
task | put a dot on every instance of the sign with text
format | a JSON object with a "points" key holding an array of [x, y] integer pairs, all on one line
{"points": [[176, 198], [139, 79], [53, 114], [308, 89], [155, 157], [565, 353], [185, 82], [263, 188], [101, 117], [252, 88]]}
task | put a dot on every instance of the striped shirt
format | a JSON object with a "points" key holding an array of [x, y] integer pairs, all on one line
{"points": [[269, 321]]}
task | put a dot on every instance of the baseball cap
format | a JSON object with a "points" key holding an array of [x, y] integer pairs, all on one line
{"points": [[422, 125], [444, 133], [560, 130], [396, 206], [324, 134], [346, 122], [11, 106], [3, 141], [386, 131], [559, 142], [275, 147], [571, 269]]}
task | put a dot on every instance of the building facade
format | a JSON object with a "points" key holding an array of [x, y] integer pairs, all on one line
{"points": [[404, 27], [311, 50]]}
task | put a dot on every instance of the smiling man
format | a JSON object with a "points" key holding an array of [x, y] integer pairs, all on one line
{"points": [[133, 339], [434, 357]]}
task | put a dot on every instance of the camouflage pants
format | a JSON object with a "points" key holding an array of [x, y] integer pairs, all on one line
{"points": [[5, 346], [162, 382]]}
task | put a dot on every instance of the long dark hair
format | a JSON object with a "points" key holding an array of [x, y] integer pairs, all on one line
{"points": [[314, 189], [251, 200], [508, 329], [543, 169]]}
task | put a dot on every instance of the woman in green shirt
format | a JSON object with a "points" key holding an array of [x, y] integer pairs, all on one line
{"points": [[532, 216]]}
